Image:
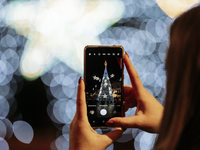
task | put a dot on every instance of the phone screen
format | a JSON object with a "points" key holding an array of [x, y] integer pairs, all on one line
{"points": [[104, 83]]}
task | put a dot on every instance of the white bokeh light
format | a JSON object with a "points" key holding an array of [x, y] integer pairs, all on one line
{"points": [[3, 144], [57, 35], [4, 107], [2, 129], [9, 128], [23, 131], [144, 141]]}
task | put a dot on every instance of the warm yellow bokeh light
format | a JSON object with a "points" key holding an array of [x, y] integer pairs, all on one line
{"points": [[174, 8]]}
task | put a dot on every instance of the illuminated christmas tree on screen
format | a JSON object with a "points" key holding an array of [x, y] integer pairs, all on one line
{"points": [[105, 93]]}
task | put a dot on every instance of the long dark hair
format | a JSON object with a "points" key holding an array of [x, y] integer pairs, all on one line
{"points": [[180, 128]]}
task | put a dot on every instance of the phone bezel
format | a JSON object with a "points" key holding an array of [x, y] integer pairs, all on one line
{"points": [[105, 47]]}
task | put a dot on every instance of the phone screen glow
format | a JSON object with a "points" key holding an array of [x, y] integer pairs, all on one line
{"points": [[103, 84]]}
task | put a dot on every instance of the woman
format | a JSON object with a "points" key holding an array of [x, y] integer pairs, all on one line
{"points": [[179, 125]]}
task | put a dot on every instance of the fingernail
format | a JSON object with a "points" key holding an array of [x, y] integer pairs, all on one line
{"points": [[79, 80], [127, 54], [110, 123]]}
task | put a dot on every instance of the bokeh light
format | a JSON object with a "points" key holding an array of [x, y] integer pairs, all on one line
{"points": [[2, 129], [176, 7], [53, 35], [144, 140], [45, 39], [3, 144], [23, 131], [62, 142]]}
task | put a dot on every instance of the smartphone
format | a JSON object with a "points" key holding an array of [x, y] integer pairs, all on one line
{"points": [[103, 76]]}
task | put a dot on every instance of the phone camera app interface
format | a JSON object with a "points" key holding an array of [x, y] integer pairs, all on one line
{"points": [[103, 83]]}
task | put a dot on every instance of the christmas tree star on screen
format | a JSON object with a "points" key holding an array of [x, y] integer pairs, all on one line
{"points": [[106, 94]]}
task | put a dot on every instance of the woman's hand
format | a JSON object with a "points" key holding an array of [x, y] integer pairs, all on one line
{"points": [[82, 136], [149, 111]]}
